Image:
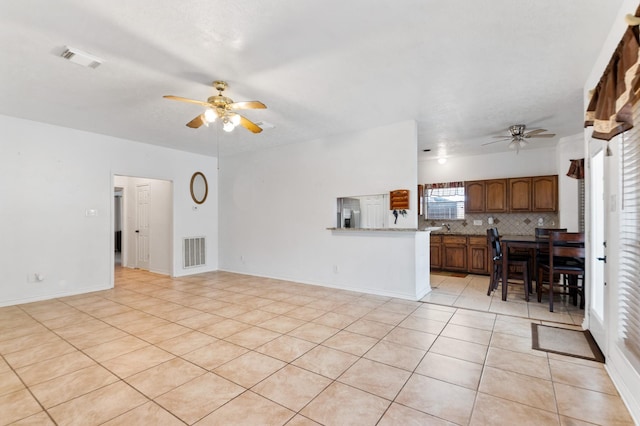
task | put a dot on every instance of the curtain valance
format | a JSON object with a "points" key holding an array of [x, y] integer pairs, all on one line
{"points": [[444, 185], [576, 169], [609, 110]]}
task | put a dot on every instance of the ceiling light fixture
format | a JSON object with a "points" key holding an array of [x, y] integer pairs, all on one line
{"points": [[517, 143], [227, 124], [210, 115], [79, 57]]}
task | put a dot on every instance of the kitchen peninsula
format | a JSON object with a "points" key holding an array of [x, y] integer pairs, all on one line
{"points": [[403, 269]]}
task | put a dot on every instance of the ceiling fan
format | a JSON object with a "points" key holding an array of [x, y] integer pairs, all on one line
{"points": [[519, 138], [222, 108]]}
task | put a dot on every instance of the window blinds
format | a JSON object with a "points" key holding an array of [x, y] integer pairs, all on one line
{"points": [[629, 258]]}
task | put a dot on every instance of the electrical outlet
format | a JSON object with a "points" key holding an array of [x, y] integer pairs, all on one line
{"points": [[477, 222]]}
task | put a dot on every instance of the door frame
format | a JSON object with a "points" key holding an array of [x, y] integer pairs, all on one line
{"points": [[126, 231], [599, 327]]}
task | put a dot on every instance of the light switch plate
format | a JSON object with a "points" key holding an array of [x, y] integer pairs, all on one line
{"points": [[477, 222]]}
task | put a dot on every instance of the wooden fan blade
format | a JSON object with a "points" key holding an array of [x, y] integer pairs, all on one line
{"points": [[534, 132], [191, 101], [247, 105], [548, 135], [249, 125], [196, 122]]}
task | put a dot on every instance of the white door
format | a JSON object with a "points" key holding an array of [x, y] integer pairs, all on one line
{"points": [[596, 270], [372, 215], [142, 227]]}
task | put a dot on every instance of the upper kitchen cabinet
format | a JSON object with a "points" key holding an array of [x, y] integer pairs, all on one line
{"points": [[533, 194], [544, 193], [513, 195], [496, 196], [474, 192], [520, 195], [486, 196]]}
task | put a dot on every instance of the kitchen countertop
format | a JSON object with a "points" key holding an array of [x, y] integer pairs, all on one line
{"points": [[378, 229]]}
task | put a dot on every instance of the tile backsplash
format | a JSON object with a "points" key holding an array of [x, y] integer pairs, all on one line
{"points": [[507, 223]]}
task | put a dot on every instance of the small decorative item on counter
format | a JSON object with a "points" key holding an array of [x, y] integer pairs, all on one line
{"points": [[396, 213]]}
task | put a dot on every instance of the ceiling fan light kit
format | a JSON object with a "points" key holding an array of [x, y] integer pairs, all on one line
{"points": [[222, 107], [518, 137]]}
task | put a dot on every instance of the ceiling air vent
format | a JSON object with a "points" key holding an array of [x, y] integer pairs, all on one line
{"points": [[81, 58]]}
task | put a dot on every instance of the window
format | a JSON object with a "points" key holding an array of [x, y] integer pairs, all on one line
{"points": [[629, 257], [444, 200]]}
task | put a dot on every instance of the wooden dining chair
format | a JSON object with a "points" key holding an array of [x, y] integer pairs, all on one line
{"points": [[542, 254], [566, 257], [517, 261]]}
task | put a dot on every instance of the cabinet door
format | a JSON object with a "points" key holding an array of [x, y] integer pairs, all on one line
{"points": [[455, 258], [474, 197], [454, 252], [436, 255], [545, 193], [496, 195], [520, 194], [477, 255]]}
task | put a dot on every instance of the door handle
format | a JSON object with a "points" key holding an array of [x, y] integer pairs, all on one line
{"points": [[604, 259], [137, 231]]}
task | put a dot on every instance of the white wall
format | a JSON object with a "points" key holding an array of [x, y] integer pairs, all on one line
{"points": [[534, 162], [569, 148], [52, 175], [275, 206]]}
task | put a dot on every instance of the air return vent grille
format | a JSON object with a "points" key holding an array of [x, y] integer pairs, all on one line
{"points": [[193, 252]]}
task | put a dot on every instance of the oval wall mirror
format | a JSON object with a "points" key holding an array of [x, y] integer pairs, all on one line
{"points": [[199, 188]]}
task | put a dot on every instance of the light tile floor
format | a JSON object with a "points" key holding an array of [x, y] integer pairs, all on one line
{"points": [[471, 292], [227, 349]]}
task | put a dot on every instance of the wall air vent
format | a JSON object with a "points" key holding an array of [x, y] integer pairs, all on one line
{"points": [[193, 252], [81, 58]]}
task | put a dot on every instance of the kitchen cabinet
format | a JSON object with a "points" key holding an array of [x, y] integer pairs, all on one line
{"points": [[495, 191], [474, 192], [454, 253], [544, 193], [478, 255], [533, 194], [435, 251], [486, 196], [513, 195], [460, 253], [520, 195]]}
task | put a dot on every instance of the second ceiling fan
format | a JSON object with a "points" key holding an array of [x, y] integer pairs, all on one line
{"points": [[222, 108], [519, 137]]}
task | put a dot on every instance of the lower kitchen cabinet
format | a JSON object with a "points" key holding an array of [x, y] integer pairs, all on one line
{"points": [[478, 255], [460, 253], [454, 253], [435, 251]]}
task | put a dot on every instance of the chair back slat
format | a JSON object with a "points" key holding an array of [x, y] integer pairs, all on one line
{"points": [[566, 244], [544, 232], [494, 242]]}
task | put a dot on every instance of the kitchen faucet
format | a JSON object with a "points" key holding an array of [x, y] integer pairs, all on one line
{"points": [[448, 226]]}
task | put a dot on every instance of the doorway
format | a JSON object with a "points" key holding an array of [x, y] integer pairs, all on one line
{"points": [[596, 284], [143, 213], [117, 225]]}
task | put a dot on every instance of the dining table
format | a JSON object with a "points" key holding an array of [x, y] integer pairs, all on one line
{"points": [[508, 242]]}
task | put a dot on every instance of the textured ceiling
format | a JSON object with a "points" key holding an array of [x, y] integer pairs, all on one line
{"points": [[464, 70]]}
